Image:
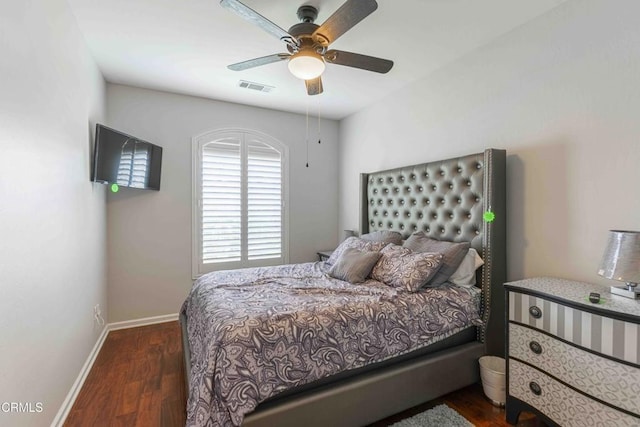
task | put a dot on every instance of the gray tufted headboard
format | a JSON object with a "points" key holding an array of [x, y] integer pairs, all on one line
{"points": [[446, 200]]}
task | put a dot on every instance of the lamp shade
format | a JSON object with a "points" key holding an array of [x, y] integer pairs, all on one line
{"points": [[306, 65], [621, 259]]}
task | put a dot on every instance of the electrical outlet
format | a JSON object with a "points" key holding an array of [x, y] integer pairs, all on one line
{"points": [[97, 315]]}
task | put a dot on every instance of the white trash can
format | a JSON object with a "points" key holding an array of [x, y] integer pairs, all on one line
{"points": [[492, 373]]}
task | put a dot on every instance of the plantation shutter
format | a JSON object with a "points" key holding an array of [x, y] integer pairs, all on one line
{"points": [[221, 201], [264, 201], [240, 194]]}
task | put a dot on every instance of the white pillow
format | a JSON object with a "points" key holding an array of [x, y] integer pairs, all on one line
{"points": [[465, 275]]}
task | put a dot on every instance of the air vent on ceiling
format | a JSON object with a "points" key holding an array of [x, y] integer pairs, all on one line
{"points": [[255, 86]]}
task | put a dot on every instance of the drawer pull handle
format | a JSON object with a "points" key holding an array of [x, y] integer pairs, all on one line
{"points": [[535, 312], [535, 388], [535, 347]]}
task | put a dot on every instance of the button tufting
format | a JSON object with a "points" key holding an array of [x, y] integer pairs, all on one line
{"points": [[441, 172]]}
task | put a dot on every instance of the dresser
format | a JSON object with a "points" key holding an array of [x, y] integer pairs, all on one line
{"points": [[570, 361]]}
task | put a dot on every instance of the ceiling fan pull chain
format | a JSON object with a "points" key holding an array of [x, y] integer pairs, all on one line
{"points": [[307, 135], [319, 139]]}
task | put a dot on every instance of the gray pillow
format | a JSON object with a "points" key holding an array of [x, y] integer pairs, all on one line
{"points": [[355, 242], [354, 265], [386, 236], [453, 254], [401, 268]]}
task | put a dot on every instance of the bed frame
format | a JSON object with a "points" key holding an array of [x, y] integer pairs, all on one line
{"points": [[447, 200]]}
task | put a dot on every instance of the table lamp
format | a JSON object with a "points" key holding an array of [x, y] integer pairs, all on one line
{"points": [[621, 261]]}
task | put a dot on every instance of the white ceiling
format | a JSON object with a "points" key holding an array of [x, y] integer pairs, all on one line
{"points": [[184, 46]]}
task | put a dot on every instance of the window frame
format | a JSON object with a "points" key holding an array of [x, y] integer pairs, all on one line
{"points": [[198, 268]]}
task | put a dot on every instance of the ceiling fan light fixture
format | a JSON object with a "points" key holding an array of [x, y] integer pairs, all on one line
{"points": [[306, 65]]}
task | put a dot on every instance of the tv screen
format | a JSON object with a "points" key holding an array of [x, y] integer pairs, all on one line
{"points": [[125, 160]]}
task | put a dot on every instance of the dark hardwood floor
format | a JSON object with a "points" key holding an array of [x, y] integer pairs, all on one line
{"points": [[137, 380]]}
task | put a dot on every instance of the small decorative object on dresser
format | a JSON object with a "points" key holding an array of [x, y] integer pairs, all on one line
{"points": [[621, 261], [324, 255], [571, 361]]}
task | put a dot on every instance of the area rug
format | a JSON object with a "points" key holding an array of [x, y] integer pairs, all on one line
{"points": [[438, 416]]}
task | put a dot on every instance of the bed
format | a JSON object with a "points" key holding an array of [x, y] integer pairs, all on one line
{"points": [[458, 200]]}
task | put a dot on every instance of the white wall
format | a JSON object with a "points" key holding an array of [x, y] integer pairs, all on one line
{"points": [[149, 239], [52, 218], [562, 95]]}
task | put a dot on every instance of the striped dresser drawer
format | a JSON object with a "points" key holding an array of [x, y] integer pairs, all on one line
{"points": [[615, 383], [560, 403], [604, 335]]}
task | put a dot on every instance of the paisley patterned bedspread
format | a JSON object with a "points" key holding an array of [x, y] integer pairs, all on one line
{"points": [[256, 332]]}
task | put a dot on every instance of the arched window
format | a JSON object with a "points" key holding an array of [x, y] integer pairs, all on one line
{"points": [[240, 201]]}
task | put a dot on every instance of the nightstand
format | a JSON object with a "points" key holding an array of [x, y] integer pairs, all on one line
{"points": [[570, 361], [324, 255]]}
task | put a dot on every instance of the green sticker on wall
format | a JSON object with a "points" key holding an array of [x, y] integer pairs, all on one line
{"points": [[115, 188], [489, 216]]}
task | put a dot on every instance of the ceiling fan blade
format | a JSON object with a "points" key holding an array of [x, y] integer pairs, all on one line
{"points": [[357, 60], [345, 18], [256, 62], [314, 86], [255, 18]]}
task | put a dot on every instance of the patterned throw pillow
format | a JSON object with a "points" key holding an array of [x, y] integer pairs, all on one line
{"points": [[357, 243], [453, 253], [354, 265], [399, 267], [386, 236]]}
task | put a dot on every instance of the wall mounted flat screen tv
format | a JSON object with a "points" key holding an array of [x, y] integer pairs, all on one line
{"points": [[125, 160]]}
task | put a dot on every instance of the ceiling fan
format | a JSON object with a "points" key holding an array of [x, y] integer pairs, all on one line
{"points": [[308, 43]]}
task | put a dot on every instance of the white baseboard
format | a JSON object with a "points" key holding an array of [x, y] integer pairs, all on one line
{"points": [[143, 322], [64, 410]]}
